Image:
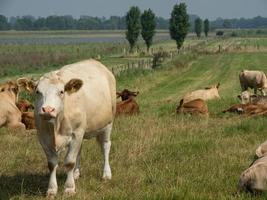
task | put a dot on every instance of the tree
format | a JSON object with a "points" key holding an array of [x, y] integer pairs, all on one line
{"points": [[179, 24], [227, 24], [198, 27], [148, 23], [3, 23], [133, 26], [206, 27]]}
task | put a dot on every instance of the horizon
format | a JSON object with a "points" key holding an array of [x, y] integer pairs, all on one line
{"points": [[210, 9]]}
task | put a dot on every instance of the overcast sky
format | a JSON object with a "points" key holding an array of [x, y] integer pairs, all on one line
{"points": [[204, 8]]}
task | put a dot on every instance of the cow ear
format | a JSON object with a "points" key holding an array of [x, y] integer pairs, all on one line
{"points": [[136, 93], [218, 85], [73, 85], [181, 102], [26, 84]]}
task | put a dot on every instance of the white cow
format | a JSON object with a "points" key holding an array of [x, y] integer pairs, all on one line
{"points": [[253, 79], [78, 101]]}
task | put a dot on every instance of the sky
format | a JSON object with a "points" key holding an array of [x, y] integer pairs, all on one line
{"points": [[210, 9]]}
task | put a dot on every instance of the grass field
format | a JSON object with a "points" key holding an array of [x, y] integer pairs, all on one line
{"points": [[157, 154]]}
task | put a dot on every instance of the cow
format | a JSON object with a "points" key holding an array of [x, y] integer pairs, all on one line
{"points": [[75, 102], [126, 94], [127, 105], [246, 97], [205, 94], [254, 179], [248, 109], [27, 118], [194, 107], [253, 79], [10, 115], [24, 105]]}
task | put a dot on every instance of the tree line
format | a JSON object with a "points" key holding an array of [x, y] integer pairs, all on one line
{"points": [[67, 22]]}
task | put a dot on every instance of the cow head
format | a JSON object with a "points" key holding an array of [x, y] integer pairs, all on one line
{"points": [[51, 91], [245, 97], [213, 87], [11, 89], [126, 94]]}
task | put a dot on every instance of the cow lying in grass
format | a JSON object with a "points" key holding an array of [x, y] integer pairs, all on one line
{"points": [[27, 117], [194, 107], [246, 97], [205, 94], [10, 115], [248, 109], [127, 105], [254, 179]]}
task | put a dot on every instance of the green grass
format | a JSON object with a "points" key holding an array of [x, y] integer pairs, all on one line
{"points": [[156, 154]]}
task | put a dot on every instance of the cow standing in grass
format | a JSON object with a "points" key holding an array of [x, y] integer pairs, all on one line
{"points": [[253, 79], [78, 101]]}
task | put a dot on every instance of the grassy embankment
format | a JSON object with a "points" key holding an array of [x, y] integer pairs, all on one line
{"points": [[157, 154]]}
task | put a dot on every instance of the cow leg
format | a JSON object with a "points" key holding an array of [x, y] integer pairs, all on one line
{"points": [[16, 125], [77, 170], [52, 166], [104, 141], [70, 161]]}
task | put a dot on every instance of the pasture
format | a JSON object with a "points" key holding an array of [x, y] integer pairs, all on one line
{"points": [[156, 154]]}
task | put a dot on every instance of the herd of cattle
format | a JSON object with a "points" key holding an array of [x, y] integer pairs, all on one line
{"points": [[66, 100]]}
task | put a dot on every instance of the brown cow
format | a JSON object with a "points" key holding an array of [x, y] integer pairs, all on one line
{"points": [[128, 105], [248, 109], [10, 115], [194, 107], [126, 94], [27, 118]]}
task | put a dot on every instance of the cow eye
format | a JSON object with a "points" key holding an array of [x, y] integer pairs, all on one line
{"points": [[61, 92], [37, 92]]}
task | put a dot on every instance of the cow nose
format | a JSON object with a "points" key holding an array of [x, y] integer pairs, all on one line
{"points": [[48, 109]]}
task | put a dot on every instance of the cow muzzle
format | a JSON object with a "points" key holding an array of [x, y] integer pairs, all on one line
{"points": [[48, 111]]}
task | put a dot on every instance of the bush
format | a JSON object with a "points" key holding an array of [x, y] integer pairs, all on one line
{"points": [[158, 58], [234, 34], [219, 33]]}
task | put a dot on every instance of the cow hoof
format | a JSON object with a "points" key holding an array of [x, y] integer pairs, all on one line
{"points": [[76, 174], [69, 191], [51, 193], [106, 178]]}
